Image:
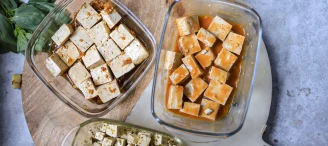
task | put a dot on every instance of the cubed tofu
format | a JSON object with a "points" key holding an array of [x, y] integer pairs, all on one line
{"points": [[192, 66], [96, 144], [234, 43], [205, 57], [55, 65], [218, 74], [101, 75], [180, 75], [88, 88], [108, 141], [120, 142], [219, 27], [103, 127], [99, 136], [78, 73], [92, 58], [133, 138], [81, 39], [187, 25], [109, 50], [189, 44], [113, 130], [121, 65], [111, 16], [175, 97], [206, 37], [87, 16], [143, 140], [127, 131], [108, 91], [225, 59], [209, 109], [144, 133], [195, 88], [136, 51], [172, 60], [63, 34], [160, 139], [122, 36], [68, 53], [218, 92], [190, 108], [99, 33]]}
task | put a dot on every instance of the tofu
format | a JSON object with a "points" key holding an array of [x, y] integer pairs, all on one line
{"points": [[103, 127], [218, 74], [180, 75], [127, 131], [101, 75], [225, 59], [209, 109], [205, 57], [122, 36], [136, 51], [113, 130], [96, 144], [160, 139], [108, 91], [112, 17], [99, 33], [108, 141], [189, 44], [219, 27], [187, 25], [99, 136], [55, 65], [78, 73], [88, 88], [175, 97], [68, 53], [92, 58], [121, 65], [192, 66], [87, 16], [109, 50], [190, 108], [143, 140], [234, 43], [194, 89], [133, 138], [63, 34], [120, 142], [218, 92], [172, 60], [81, 39], [206, 37]]}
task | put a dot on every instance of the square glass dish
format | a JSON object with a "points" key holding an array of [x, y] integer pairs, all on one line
{"points": [[38, 49], [231, 11]]}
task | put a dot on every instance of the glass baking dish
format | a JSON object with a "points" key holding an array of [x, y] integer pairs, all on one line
{"points": [[231, 11], [64, 13]]}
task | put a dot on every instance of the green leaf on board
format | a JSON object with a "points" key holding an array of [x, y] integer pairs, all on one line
{"points": [[28, 17], [43, 6], [7, 37]]}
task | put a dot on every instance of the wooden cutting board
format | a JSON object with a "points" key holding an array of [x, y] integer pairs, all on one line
{"points": [[49, 119]]}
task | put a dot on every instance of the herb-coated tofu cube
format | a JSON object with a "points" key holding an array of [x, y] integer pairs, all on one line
{"points": [[126, 131], [103, 127], [189, 44], [92, 58], [206, 37], [87, 88], [143, 140], [99, 136], [218, 74], [225, 59], [190, 108], [109, 50], [108, 91], [87, 16], [108, 141], [160, 139], [101, 74], [96, 144], [192, 66], [179, 75], [111, 16], [187, 25], [136, 51], [121, 65], [99, 33], [120, 142], [220, 28], [218, 92], [195, 88], [55, 65], [234, 43], [62, 34], [205, 57], [81, 39], [78, 73], [209, 109], [133, 138], [122, 36], [172, 60], [175, 97], [144, 133], [68, 53], [113, 130]]}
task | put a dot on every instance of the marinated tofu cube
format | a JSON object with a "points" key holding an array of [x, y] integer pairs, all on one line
{"points": [[109, 50], [81, 39], [136, 51], [96, 144], [121, 65], [55, 65], [99, 33], [127, 131], [234, 43], [87, 16], [218, 92], [209, 109], [122, 36], [111, 16], [143, 140], [133, 138], [62, 34], [92, 58], [192, 66], [160, 139], [187, 25], [179, 75], [88, 88], [172, 60], [191, 108], [205, 57], [113, 130], [189, 44], [68, 53], [78, 73], [101, 75], [218, 74], [120, 142], [108, 141], [99, 136], [206, 37], [108, 91], [175, 97], [195, 88], [103, 127], [225, 59], [219, 27]]}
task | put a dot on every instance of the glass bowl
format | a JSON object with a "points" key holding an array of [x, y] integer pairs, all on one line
{"points": [[38, 50], [232, 11]]}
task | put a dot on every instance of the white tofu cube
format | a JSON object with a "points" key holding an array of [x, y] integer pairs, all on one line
{"points": [[144, 133], [175, 97], [92, 58], [192, 66], [159, 139], [144, 140], [220, 28], [209, 109], [113, 130], [68, 53], [121, 65], [218, 92], [101, 75], [206, 37], [225, 59], [108, 91], [189, 44], [55, 65], [99, 33], [88, 88], [99, 136], [136, 51], [218, 74], [87, 16], [108, 141], [195, 88], [187, 25], [234, 43], [120, 142], [111, 16], [133, 138], [103, 127], [180, 75], [190, 108], [109, 50], [78, 73], [81, 39], [122, 36], [172, 60], [126, 131], [62, 34], [205, 57]]}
